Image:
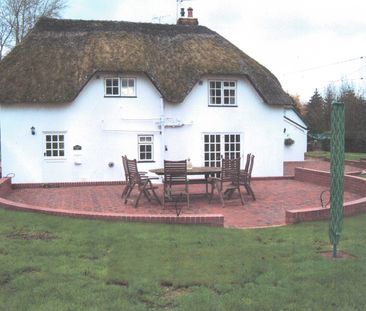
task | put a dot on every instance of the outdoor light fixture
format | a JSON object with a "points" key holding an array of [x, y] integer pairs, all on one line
{"points": [[33, 130]]}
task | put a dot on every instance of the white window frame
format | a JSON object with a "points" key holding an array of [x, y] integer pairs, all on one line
{"points": [[142, 141], [112, 79], [126, 86], [216, 147], [226, 91], [126, 91], [54, 145]]}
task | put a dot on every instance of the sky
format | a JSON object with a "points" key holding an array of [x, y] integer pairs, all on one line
{"points": [[305, 44]]}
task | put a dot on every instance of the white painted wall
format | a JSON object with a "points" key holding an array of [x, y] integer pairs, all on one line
{"points": [[295, 152], [259, 124], [107, 128]]}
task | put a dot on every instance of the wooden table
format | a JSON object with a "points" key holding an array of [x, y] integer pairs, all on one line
{"points": [[206, 171]]}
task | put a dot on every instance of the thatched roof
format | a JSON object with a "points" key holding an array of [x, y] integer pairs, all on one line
{"points": [[58, 57]]}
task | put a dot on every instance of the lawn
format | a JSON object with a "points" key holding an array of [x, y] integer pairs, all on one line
{"points": [[326, 155], [55, 263]]}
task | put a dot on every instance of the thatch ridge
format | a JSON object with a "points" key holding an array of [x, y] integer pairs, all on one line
{"points": [[58, 57]]}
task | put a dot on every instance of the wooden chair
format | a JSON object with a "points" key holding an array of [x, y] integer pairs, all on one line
{"points": [[127, 177], [129, 182], [136, 179], [228, 181], [246, 176], [175, 183]]}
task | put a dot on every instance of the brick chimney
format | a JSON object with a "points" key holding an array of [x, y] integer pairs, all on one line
{"points": [[189, 20]]}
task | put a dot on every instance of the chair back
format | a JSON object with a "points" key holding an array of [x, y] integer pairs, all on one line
{"points": [[132, 171], [251, 167], [124, 162], [247, 163], [175, 172], [230, 170]]}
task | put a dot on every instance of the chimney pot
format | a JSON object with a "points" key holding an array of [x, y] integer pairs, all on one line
{"points": [[190, 12], [189, 20]]}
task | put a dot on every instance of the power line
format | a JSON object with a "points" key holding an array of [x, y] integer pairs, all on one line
{"points": [[347, 80], [327, 65]]}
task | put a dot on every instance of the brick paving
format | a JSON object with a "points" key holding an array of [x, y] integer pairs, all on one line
{"points": [[273, 198]]}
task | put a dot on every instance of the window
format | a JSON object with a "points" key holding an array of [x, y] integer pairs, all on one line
{"points": [[112, 87], [218, 146], [128, 87], [222, 93], [55, 145], [146, 147], [116, 87]]}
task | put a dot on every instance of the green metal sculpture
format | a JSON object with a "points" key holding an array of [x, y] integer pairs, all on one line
{"points": [[337, 173]]}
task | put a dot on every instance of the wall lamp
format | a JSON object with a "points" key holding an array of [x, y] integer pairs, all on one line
{"points": [[33, 130]]}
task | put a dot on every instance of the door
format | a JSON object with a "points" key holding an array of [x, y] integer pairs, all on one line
{"points": [[221, 145]]}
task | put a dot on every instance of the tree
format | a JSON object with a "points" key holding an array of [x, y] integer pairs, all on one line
{"points": [[297, 104], [355, 119], [329, 97], [17, 17], [314, 116], [5, 29]]}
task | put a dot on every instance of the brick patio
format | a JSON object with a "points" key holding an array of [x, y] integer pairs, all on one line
{"points": [[274, 197]]}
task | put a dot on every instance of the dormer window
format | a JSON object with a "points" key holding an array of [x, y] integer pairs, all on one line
{"points": [[128, 87], [120, 87], [112, 87], [222, 93]]}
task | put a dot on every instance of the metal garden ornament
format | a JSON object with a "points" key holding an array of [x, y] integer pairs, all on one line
{"points": [[337, 174]]}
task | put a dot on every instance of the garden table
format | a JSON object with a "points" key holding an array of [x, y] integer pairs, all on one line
{"points": [[205, 171]]}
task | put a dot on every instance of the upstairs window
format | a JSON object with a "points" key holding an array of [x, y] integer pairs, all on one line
{"points": [[112, 87], [146, 147], [54, 145], [120, 87], [222, 93], [128, 87]]}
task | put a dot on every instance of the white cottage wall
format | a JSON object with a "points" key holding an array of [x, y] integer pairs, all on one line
{"points": [[294, 128], [259, 124], [105, 128], [108, 127]]}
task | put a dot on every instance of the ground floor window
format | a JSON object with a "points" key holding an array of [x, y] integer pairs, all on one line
{"points": [[54, 145], [146, 147], [218, 146]]}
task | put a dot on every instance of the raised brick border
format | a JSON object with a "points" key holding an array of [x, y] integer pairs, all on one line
{"points": [[66, 184], [351, 183], [215, 220], [360, 164]]}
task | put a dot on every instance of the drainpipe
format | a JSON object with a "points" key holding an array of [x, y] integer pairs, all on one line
{"points": [[162, 130]]}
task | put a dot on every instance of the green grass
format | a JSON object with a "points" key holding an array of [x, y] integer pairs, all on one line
{"points": [[55, 263], [326, 155]]}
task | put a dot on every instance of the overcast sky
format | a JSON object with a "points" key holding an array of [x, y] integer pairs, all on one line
{"points": [[306, 44]]}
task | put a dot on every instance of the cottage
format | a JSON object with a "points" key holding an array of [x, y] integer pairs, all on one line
{"points": [[76, 95]]}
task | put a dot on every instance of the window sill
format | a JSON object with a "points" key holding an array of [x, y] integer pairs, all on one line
{"points": [[55, 160], [119, 96], [146, 161], [224, 106]]}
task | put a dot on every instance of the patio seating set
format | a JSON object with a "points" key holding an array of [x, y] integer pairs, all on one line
{"points": [[224, 180]]}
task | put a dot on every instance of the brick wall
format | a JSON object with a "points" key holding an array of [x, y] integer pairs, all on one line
{"points": [[351, 184], [360, 164], [5, 186]]}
